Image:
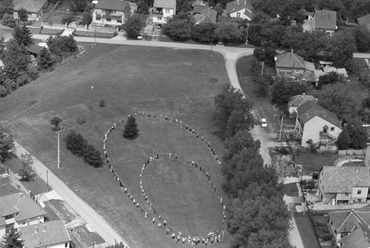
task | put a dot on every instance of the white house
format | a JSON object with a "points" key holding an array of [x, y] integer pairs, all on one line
{"points": [[34, 8], [342, 184], [18, 210], [51, 234], [163, 10], [240, 9], [111, 12], [316, 125]]}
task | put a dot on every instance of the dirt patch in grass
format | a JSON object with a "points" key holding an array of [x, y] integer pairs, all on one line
{"points": [[306, 230], [313, 162], [179, 83]]}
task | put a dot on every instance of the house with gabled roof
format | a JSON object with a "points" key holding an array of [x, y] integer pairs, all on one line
{"points": [[204, 14], [325, 20], [6, 32], [34, 8], [51, 234], [240, 9], [358, 238], [342, 184], [292, 65], [316, 125], [364, 21], [19, 210], [298, 100], [111, 12], [163, 10]]}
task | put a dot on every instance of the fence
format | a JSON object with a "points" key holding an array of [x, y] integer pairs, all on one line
{"points": [[352, 152]]}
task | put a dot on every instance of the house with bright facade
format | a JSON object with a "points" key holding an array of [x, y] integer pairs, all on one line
{"points": [[34, 8], [51, 234], [18, 210], [343, 184], [111, 12], [163, 10], [316, 125], [240, 9]]}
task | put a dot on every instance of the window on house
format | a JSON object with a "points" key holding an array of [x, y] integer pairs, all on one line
{"points": [[159, 18], [66, 245], [359, 192], [98, 18], [332, 128], [238, 15], [119, 21], [167, 11], [346, 194], [109, 19], [9, 217]]}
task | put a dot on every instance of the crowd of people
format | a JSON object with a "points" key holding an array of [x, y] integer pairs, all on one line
{"points": [[151, 211]]}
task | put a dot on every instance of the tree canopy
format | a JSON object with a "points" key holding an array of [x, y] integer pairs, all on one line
{"points": [[6, 142], [23, 35], [12, 240], [134, 26]]}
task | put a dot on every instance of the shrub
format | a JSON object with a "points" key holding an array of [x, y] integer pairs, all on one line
{"points": [[92, 156], [33, 73], [102, 103], [76, 143], [3, 91], [22, 80], [67, 18], [10, 85]]}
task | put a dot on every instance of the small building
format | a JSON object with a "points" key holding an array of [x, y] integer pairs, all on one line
{"points": [[19, 210], [111, 12], [34, 8], [340, 185], [316, 125], [325, 20], [298, 100], [163, 10], [6, 32], [364, 21], [291, 65], [204, 14], [240, 9], [51, 234]]}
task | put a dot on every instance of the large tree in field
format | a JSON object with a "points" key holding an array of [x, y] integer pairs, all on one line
{"points": [[23, 35], [134, 25], [6, 142], [12, 240], [44, 60], [131, 131], [15, 59], [231, 103], [338, 99]]}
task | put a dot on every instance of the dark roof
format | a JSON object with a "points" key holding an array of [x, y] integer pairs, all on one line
{"points": [[309, 110], [206, 15], [32, 6], [343, 179], [112, 5], [34, 49], [239, 5], [168, 4], [45, 234], [325, 19], [356, 239], [290, 60], [338, 218], [298, 100], [364, 20]]}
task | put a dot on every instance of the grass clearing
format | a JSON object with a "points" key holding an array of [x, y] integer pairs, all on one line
{"points": [[290, 189], [306, 230], [179, 83], [313, 162]]}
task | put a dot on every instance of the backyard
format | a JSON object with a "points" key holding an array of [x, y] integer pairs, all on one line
{"points": [[306, 230], [178, 83]]}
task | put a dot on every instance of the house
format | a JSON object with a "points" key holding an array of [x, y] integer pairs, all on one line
{"points": [[325, 20], [51, 234], [364, 21], [240, 9], [316, 125], [34, 8], [163, 10], [345, 225], [298, 100], [111, 12], [6, 32], [338, 184], [204, 14], [293, 65], [19, 210]]}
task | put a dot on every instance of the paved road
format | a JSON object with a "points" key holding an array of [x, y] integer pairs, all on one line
{"points": [[82, 208]]}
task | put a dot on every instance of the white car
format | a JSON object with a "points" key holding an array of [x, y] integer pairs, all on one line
{"points": [[263, 122]]}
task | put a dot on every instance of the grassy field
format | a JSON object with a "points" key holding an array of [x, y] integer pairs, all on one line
{"points": [[180, 83]]}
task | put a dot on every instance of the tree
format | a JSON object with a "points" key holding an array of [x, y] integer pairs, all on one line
{"points": [[343, 141], [180, 27], [76, 143], [338, 99], [143, 7], [6, 142], [330, 78], [44, 60], [283, 90], [262, 85], [229, 32], [116, 245], [22, 15], [92, 156], [6, 7], [362, 38], [23, 35], [357, 134], [204, 32], [8, 20], [15, 59], [342, 47], [228, 101], [3, 91], [134, 26], [55, 122], [26, 172], [12, 240], [183, 6], [62, 45], [131, 131]]}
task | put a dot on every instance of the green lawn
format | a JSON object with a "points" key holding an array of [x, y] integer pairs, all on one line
{"points": [[306, 230], [313, 162], [180, 83], [290, 189]]}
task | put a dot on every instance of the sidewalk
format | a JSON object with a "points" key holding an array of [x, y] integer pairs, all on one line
{"points": [[82, 208]]}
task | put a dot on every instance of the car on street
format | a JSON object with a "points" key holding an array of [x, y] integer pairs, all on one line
{"points": [[263, 122], [140, 36]]}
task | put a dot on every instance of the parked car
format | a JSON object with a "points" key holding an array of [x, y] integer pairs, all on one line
{"points": [[140, 36], [263, 122]]}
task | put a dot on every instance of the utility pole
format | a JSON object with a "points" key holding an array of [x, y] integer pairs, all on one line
{"points": [[246, 40], [263, 65], [47, 179], [281, 127], [58, 133], [95, 34]]}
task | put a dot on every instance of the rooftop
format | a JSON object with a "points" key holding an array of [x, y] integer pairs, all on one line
{"points": [[364, 20], [356, 239], [32, 6], [112, 5], [309, 110], [343, 179], [325, 19], [298, 100], [206, 15], [45, 234], [168, 4], [238, 5], [290, 60]]}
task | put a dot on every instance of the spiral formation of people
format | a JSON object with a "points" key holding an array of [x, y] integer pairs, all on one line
{"points": [[157, 219]]}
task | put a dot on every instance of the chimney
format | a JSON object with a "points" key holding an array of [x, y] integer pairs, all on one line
{"points": [[43, 228], [36, 230]]}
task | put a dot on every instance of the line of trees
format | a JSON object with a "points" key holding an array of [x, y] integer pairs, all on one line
{"points": [[258, 216]]}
